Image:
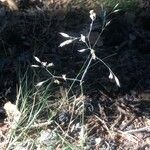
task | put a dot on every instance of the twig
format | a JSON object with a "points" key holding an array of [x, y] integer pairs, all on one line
{"points": [[147, 129], [128, 123], [39, 125], [129, 136], [105, 126]]}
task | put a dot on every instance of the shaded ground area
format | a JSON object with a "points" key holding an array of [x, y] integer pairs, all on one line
{"points": [[124, 46]]}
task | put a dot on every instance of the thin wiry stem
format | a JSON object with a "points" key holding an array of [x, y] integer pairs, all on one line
{"points": [[88, 36], [86, 70], [99, 36], [78, 74], [105, 65]]}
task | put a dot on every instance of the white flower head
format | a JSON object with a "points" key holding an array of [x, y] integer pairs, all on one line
{"points": [[66, 42], [93, 54], [92, 15], [110, 75], [44, 64], [83, 38], [35, 66], [57, 81], [64, 35], [37, 59], [82, 50], [117, 81], [50, 65], [40, 84], [64, 77]]}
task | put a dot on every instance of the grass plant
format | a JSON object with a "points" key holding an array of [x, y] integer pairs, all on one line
{"points": [[47, 121]]}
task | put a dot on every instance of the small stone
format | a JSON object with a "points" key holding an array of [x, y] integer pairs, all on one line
{"points": [[63, 117]]}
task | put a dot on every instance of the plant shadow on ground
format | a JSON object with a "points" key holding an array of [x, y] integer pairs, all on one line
{"points": [[124, 47]]}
